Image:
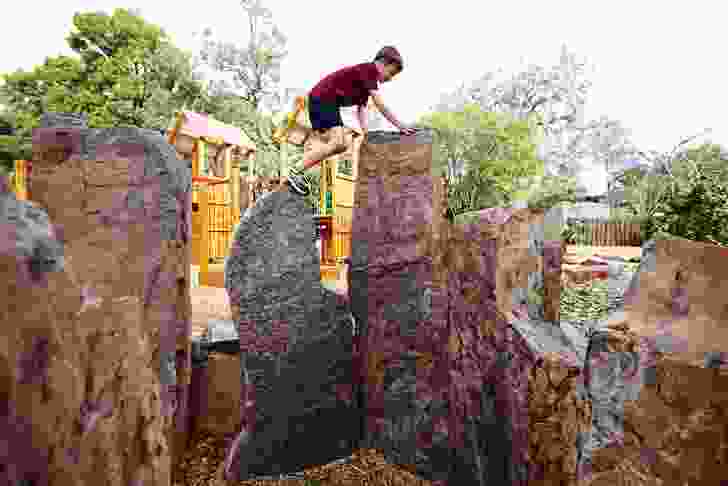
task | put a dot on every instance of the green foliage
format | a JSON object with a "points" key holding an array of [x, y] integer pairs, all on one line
{"points": [[256, 73], [256, 65], [496, 151], [586, 303], [690, 201], [568, 234], [550, 191], [591, 301], [12, 149], [127, 74], [696, 206]]}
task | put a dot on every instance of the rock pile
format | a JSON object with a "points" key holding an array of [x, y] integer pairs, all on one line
{"points": [[462, 379]]}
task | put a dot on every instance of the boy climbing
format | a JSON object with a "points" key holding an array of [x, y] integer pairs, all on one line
{"points": [[350, 86]]}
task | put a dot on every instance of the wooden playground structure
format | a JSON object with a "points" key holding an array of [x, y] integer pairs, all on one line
{"points": [[219, 154], [19, 180], [217, 151]]}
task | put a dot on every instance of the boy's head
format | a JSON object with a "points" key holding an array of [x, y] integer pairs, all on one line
{"points": [[391, 61]]}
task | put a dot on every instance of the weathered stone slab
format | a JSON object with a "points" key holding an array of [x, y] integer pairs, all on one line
{"points": [[436, 304], [296, 345], [104, 327], [659, 373], [80, 387]]}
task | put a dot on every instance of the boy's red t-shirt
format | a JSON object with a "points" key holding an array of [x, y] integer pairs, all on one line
{"points": [[349, 86]]}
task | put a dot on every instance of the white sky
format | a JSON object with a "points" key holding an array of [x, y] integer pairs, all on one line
{"points": [[657, 66]]}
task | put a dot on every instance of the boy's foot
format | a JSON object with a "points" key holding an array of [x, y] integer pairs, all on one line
{"points": [[297, 181]]}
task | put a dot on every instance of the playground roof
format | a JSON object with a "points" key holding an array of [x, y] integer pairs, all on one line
{"points": [[197, 125]]}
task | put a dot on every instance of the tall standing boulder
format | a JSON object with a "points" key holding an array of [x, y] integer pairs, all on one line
{"points": [[659, 374], [95, 350], [461, 368], [296, 345]]}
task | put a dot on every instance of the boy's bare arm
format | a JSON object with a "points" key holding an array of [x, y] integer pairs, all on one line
{"points": [[379, 103]]}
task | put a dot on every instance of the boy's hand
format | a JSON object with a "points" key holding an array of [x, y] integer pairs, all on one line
{"points": [[407, 131]]}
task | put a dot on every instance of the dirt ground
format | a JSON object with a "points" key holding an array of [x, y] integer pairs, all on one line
{"points": [[201, 467], [605, 251]]}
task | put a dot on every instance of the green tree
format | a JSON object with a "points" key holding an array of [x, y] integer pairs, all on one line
{"points": [[551, 99], [255, 68], [12, 147], [126, 74], [494, 150], [695, 197], [254, 101], [550, 191]]}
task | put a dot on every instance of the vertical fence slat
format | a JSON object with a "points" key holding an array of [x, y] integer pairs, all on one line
{"points": [[598, 232]]}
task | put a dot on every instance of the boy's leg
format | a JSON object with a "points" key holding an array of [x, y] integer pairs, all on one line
{"points": [[326, 119], [336, 144]]}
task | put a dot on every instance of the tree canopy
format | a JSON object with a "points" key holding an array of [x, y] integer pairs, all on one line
{"points": [[494, 151]]}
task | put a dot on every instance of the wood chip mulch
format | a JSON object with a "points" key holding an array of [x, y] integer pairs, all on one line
{"points": [[201, 466]]}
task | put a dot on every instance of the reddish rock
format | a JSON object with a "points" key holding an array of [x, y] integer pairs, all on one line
{"points": [[89, 383]]}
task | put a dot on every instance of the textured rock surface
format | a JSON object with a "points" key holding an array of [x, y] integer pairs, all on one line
{"points": [[393, 294], [532, 411], [296, 344], [437, 307], [464, 380], [674, 430], [95, 340], [559, 409], [398, 204], [77, 388]]}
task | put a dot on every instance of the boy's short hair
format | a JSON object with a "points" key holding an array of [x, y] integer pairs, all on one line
{"points": [[389, 55]]}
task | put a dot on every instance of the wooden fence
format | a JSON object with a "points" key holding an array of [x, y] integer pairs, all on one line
{"points": [[598, 232]]}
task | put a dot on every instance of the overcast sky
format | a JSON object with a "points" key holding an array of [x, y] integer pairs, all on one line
{"points": [[658, 67]]}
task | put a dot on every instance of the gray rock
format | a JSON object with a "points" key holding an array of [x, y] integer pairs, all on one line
{"points": [[421, 136], [28, 234], [615, 269], [63, 120], [715, 359], [648, 262], [302, 416], [272, 272], [612, 378]]}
